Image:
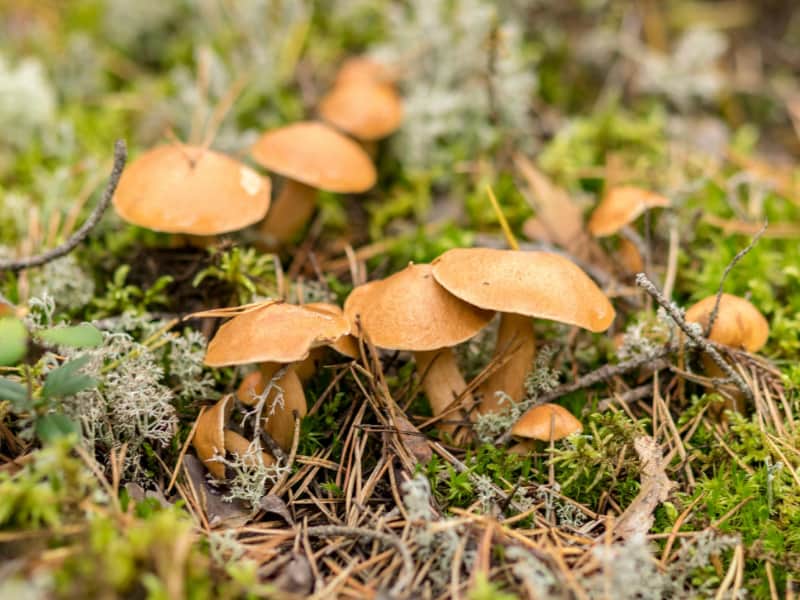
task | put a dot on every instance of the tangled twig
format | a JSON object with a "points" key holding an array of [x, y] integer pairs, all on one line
{"points": [[14, 265]]}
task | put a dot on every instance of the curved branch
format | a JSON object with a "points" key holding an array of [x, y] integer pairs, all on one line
{"points": [[14, 265]]}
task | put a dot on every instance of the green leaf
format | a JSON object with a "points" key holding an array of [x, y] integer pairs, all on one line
{"points": [[79, 336], [51, 427], [13, 341], [67, 380], [14, 392]]}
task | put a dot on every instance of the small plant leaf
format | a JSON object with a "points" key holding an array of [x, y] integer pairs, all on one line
{"points": [[79, 336], [67, 380], [14, 392], [13, 341], [51, 427]]}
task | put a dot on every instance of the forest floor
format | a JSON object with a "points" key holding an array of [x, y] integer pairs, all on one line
{"points": [[518, 119]]}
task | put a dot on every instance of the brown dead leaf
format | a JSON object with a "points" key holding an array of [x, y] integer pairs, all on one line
{"points": [[638, 517], [413, 439], [218, 512], [274, 505]]}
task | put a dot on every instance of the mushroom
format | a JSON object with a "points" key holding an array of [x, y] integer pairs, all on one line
{"points": [[620, 207], [209, 436], [738, 324], [275, 334], [311, 156], [191, 190], [345, 345], [368, 110], [409, 311], [545, 422], [521, 285]]}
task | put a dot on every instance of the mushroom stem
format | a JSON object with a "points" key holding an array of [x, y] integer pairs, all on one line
{"points": [[515, 337], [278, 420], [291, 211], [306, 368], [736, 400], [370, 147], [442, 383]]}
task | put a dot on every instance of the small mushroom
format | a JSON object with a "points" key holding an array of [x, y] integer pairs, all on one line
{"points": [[620, 207], [409, 311], [191, 190], [311, 156], [363, 108], [521, 285], [545, 422], [274, 334], [209, 436], [738, 324]]}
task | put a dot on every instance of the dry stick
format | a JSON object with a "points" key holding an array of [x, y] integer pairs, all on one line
{"points": [[404, 580], [739, 256], [14, 265], [648, 286]]}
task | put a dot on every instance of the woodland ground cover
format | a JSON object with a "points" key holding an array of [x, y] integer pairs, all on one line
{"points": [[518, 119]]}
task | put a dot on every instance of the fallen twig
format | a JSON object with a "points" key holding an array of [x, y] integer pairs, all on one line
{"points": [[739, 256], [648, 286], [19, 264]]}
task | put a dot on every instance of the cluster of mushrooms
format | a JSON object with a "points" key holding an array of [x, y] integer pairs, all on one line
{"points": [[425, 309], [195, 192]]}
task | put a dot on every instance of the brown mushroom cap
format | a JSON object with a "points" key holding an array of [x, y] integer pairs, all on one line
{"points": [[738, 323], [347, 345], [410, 311], [621, 206], [365, 110], [209, 438], [274, 332], [536, 424], [535, 284], [316, 155], [191, 190]]}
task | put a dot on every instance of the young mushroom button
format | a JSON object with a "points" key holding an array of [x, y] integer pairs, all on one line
{"points": [[311, 156], [410, 311], [545, 422], [365, 109], [191, 190], [274, 335], [738, 324], [521, 285]]}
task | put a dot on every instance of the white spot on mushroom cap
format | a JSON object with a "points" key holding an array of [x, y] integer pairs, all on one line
{"points": [[249, 180]]}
